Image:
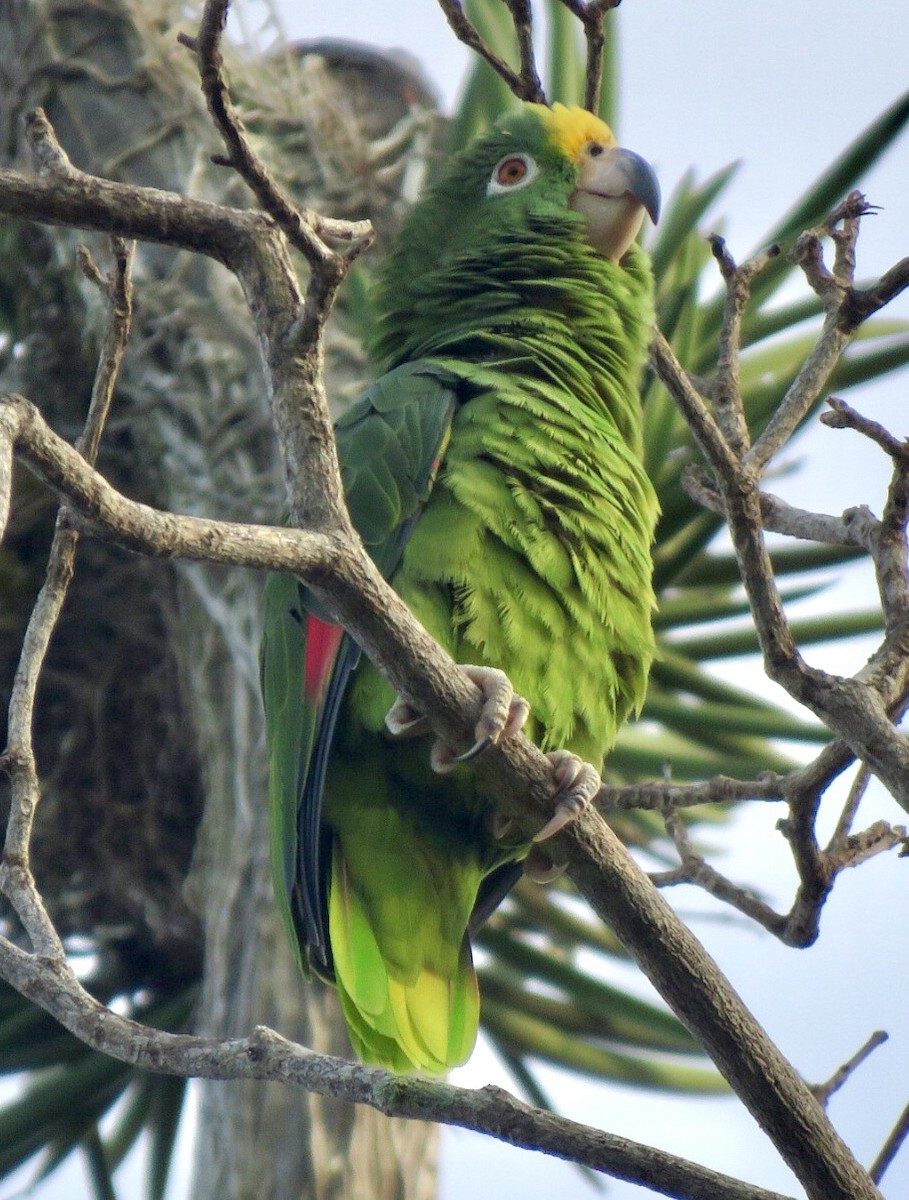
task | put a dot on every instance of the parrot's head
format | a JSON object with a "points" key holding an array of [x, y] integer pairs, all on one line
{"points": [[612, 188], [540, 158], [541, 181]]}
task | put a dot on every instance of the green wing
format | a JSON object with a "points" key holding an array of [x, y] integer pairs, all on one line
{"points": [[390, 445]]}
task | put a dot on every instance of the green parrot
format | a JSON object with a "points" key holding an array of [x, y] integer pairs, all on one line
{"points": [[494, 474]]}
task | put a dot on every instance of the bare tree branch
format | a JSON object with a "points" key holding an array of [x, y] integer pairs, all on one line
{"points": [[834, 289], [329, 556], [824, 1091], [525, 84], [891, 1147], [856, 712], [592, 15], [15, 872], [304, 229], [50, 982]]}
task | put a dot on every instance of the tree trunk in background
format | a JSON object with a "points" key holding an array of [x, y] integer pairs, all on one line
{"points": [[175, 746]]}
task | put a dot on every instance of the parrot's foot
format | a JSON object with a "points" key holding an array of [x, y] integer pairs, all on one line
{"points": [[577, 782], [504, 713]]}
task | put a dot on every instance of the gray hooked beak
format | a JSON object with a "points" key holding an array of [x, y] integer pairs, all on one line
{"points": [[614, 191]]}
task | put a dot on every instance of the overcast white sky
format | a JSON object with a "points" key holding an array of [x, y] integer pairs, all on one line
{"points": [[782, 86]]}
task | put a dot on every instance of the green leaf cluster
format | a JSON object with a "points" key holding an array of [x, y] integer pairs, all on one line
{"points": [[68, 1090]]}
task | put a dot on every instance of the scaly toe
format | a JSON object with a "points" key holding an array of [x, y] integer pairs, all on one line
{"points": [[504, 712], [402, 720], [540, 868], [443, 759], [577, 783]]}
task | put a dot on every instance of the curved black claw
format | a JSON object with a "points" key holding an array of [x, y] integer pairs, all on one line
{"points": [[504, 711], [475, 750]]}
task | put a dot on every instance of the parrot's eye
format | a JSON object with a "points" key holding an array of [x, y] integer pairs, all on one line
{"points": [[595, 149], [513, 171]]}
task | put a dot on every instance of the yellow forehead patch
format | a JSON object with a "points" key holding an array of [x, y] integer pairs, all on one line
{"points": [[571, 128]]}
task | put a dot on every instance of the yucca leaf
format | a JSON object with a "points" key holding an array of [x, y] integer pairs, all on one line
{"points": [[541, 907], [805, 631], [594, 1005], [526, 1035], [781, 360], [565, 76], [679, 542], [662, 428], [131, 1119], [722, 569], [523, 1076], [759, 324], [565, 1015], [730, 719], [495, 26], [681, 674], [705, 605], [485, 95], [57, 1108], [167, 1107], [685, 208], [99, 1171], [643, 755], [866, 364], [31, 1039]]}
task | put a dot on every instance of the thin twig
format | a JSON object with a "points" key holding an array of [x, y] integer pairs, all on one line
{"points": [[522, 16], [857, 527], [658, 796], [525, 87], [727, 396], [592, 15], [706, 431], [844, 416], [694, 869], [304, 229], [891, 1146], [848, 707], [603, 870], [97, 507], [850, 809], [824, 1091], [15, 874], [862, 303], [834, 289]]}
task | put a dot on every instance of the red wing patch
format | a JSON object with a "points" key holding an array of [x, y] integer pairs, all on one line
{"points": [[322, 642]]}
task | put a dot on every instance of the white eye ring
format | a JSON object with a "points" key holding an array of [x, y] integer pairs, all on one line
{"points": [[511, 173]]}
